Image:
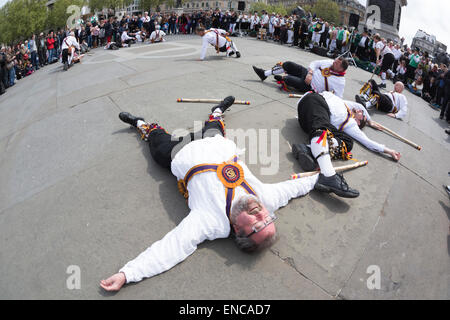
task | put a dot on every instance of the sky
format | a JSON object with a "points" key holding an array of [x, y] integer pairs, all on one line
{"points": [[428, 15]]}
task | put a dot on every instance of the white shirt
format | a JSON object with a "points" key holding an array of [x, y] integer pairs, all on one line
{"points": [[400, 103], [401, 70], [335, 83], [125, 36], [70, 41], [397, 53], [264, 20], [210, 37], [207, 219], [157, 35], [384, 48], [254, 20], [362, 43], [339, 114]]}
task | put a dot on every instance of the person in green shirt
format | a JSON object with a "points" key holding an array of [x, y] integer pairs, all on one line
{"points": [[414, 61], [340, 37]]}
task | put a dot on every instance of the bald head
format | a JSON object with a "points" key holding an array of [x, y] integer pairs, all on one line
{"points": [[399, 87]]}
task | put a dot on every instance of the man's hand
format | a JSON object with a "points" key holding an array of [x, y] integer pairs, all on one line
{"points": [[392, 115], [308, 79], [394, 154], [114, 283]]}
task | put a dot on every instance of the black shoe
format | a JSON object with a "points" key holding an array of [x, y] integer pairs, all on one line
{"points": [[305, 158], [337, 185], [278, 77], [225, 104], [238, 54], [66, 66], [359, 99], [447, 131], [382, 85], [260, 73], [129, 118], [447, 189]]}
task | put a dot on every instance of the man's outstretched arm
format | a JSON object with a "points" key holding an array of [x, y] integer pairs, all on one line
{"points": [[164, 254], [278, 195], [361, 137]]}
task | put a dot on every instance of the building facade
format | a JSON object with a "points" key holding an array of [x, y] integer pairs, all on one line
{"points": [[427, 43]]}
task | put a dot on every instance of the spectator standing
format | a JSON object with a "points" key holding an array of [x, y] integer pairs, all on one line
{"points": [[445, 109], [4, 82], [42, 50], [33, 52], [51, 47], [414, 61]]}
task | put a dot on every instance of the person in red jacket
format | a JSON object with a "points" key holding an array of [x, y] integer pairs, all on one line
{"points": [[50, 42]]}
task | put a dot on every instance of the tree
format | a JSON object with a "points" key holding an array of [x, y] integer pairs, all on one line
{"points": [[58, 16], [327, 10], [146, 5], [21, 18], [260, 6]]}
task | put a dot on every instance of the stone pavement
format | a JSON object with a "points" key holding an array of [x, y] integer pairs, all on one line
{"points": [[79, 188]]}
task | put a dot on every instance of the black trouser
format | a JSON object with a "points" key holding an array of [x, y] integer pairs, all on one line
{"points": [[296, 76], [42, 57], [323, 40], [339, 45], [2, 85], [384, 102], [303, 38], [445, 109], [162, 144], [65, 55], [296, 30], [314, 117], [388, 61], [411, 72]]}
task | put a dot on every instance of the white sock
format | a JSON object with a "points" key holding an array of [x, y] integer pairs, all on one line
{"points": [[217, 113], [383, 77], [273, 72], [326, 167], [140, 123]]}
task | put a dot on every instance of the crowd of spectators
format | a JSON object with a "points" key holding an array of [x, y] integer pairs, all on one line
{"points": [[423, 75]]}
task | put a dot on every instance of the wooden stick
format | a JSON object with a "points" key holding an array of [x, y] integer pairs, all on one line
{"points": [[399, 137], [338, 169], [295, 95], [211, 101]]}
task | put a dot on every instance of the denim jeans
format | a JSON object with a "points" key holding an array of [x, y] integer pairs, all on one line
{"points": [[51, 54], [12, 76], [34, 61]]}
